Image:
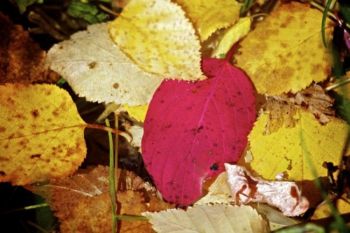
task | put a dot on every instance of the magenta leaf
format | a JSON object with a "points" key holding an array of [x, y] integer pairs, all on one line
{"points": [[193, 128]]}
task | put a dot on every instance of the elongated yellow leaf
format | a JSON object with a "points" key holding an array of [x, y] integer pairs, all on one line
{"points": [[285, 52], [293, 149], [159, 38], [231, 36], [41, 133], [210, 16]]}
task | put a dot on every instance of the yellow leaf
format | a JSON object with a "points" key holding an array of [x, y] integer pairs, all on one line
{"points": [[231, 36], [210, 16], [285, 52], [323, 211], [292, 149], [159, 38], [41, 133], [137, 112]]}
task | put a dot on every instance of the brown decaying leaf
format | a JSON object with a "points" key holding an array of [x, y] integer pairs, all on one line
{"points": [[21, 59], [82, 202], [283, 107]]}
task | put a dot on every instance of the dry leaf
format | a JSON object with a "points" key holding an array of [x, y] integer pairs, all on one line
{"points": [[82, 202], [291, 149], [210, 16], [159, 38], [96, 69], [218, 192], [284, 195], [209, 219], [21, 60], [285, 52], [41, 133]]}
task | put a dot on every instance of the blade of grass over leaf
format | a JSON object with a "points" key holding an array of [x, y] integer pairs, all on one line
{"points": [[246, 6], [323, 24], [112, 191]]}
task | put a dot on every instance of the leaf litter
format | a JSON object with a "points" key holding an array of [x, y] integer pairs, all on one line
{"points": [[292, 125]]}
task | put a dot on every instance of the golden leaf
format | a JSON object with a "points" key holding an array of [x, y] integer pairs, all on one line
{"points": [[291, 149], [158, 37], [323, 211], [210, 16], [285, 52], [41, 133]]}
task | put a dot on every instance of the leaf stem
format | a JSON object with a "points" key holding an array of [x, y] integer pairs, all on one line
{"points": [[338, 84], [104, 128]]}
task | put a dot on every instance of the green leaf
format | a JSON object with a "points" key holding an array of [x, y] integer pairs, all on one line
{"points": [[345, 12], [23, 4], [86, 11], [343, 107]]}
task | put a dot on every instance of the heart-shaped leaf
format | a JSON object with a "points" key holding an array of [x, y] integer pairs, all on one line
{"points": [[192, 129]]}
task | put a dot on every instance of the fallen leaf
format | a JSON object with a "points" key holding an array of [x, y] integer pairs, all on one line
{"points": [[158, 37], [204, 15], [96, 69], [209, 219], [323, 211], [231, 36], [192, 129], [136, 112], [21, 60], [219, 192], [285, 52], [285, 195], [291, 150], [82, 202], [41, 133]]}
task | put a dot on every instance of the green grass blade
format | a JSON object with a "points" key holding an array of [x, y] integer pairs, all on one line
{"points": [[112, 191], [323, 24]]}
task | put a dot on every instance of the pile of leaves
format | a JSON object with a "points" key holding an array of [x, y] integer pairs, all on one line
{"points": [[225, 112]]}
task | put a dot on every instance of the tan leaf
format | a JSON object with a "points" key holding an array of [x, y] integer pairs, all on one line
{"points": [[209, 219], [41, 133], [96, 69], [284, 53], [158, 37]]}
